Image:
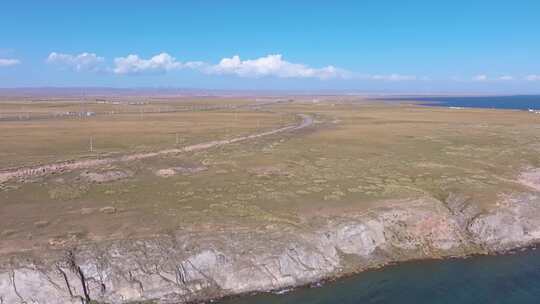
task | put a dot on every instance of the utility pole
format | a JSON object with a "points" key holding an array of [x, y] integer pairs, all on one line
{"points": [[91, 144]]}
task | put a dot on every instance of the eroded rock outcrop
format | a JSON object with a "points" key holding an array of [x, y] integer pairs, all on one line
{"points": [[187, 266], [514, 223]]}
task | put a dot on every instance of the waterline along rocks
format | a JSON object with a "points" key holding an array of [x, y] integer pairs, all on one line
{"points": [[185, 266]]}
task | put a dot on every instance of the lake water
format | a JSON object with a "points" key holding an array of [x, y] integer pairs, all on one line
{"points": [[519, 102], [483, 279]]}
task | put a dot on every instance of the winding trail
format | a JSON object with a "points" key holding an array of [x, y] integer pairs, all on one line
{"points": [[66, 166]]}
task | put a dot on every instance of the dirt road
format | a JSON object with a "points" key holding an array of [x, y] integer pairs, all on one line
{"points": [[65, 166]]}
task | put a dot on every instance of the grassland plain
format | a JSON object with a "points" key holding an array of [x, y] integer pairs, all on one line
{"points": [[366, 184]]}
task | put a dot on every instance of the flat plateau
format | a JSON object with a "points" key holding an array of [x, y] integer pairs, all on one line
{"points": [[313, 190]]}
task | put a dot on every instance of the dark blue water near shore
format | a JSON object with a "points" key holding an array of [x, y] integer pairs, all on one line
{"points": [[518, 102], [512, 279]]}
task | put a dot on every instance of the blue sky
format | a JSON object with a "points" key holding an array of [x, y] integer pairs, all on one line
{"points": [[394, 46]]}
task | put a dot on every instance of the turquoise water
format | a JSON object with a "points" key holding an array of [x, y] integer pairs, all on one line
{"points": [[484, 279], [518, 102]]}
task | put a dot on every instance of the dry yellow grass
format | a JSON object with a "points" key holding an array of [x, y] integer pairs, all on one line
{"points": [[357, 156], [31, 141]]}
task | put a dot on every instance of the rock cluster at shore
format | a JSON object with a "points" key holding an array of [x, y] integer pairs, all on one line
{"points": [[187, 266]]}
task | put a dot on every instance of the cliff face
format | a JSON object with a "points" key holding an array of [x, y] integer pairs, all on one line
{"points": [[185, 266]]}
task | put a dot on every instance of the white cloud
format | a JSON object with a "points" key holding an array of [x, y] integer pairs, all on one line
{"points": [[481, 77], [273, 65], [506, 78], [81, 62], [5, 62], [393, 77], [532, 77], [133, 64]]}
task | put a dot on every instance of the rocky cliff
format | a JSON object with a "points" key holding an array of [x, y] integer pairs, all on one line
{"points": [[188, 266]]}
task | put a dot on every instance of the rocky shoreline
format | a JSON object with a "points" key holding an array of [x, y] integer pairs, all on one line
{"points": [[189, 266]]}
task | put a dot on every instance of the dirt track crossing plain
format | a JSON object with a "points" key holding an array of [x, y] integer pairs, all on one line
{"points": [[235, 175]]}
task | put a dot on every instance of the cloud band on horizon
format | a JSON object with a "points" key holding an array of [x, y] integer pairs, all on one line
{"points": [[273, 65], [163, 62], [6, 62], [81, 62]]}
